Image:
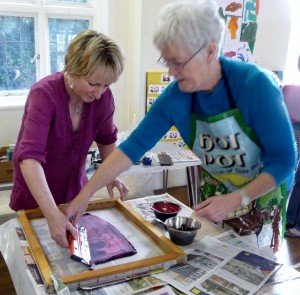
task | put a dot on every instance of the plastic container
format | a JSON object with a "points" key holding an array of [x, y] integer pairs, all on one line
{"points": [[10, 152]]}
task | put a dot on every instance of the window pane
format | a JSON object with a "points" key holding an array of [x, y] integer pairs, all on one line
{"points": [[61, 32], [20, 1], [17, 47], [67, 1]]}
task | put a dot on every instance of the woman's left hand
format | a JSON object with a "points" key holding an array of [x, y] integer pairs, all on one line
{"points": [[121, 186]]}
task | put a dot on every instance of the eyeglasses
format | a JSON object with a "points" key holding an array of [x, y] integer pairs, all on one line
{"points": [[178, 66]]}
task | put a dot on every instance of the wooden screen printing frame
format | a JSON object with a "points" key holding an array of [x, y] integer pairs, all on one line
{"points": [[172, 253]]}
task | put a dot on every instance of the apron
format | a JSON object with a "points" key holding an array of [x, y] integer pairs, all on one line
{"points": [[231, 158]]}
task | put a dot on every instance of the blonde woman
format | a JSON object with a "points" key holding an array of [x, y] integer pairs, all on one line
{"points": [[64, 114]]}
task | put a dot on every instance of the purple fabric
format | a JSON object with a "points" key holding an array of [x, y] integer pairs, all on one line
{"points": [[47, 136], [105, 241]]}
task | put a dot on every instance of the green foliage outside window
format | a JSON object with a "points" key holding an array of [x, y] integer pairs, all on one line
{"points": [[61, 32], [17, 71], [17, 49]]}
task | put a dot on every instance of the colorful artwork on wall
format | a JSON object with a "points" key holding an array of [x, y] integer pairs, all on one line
{"points": [[240, 17]]}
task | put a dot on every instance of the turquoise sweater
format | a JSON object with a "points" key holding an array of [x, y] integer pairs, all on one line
{"points": [[257, 96]]}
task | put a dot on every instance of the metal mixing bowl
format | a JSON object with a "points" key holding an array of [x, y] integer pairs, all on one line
{"points": [[182, 230]]}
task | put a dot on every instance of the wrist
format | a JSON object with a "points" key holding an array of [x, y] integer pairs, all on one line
{"points": [[244, 198]]}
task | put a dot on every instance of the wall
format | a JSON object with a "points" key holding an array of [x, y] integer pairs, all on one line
{"points": [[130, 24], [272, 38], [10, 121]]}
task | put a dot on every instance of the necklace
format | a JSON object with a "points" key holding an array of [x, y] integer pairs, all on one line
{"points": [[78, 109]]}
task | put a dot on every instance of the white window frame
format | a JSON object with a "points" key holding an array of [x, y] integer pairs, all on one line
{"points": [[96, 11]]}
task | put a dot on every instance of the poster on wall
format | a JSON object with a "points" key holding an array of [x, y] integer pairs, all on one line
{"points": [[240, 18], [156, 83]]}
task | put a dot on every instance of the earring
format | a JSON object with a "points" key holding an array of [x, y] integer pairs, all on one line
{"points": [[71, 81]]}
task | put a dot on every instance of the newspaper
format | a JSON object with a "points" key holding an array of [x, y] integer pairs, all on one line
{"points": [[285, 273], [232, 238], [165, 290], [146, 284], [142, 205], [178, 156], [135, 286], [205, 268], [19, 259], [216, 259], [216, 267]]}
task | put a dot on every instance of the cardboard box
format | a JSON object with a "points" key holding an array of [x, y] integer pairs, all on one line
{"points": [[6, 171], [6, 167], [3, 150]]}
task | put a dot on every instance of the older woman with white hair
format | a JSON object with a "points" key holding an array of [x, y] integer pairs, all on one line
{"points": [[230, 113]]}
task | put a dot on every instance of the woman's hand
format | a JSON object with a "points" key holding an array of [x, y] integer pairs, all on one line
{"points": [[75, 209], [217, 208], [59, 227], [121, 186]]}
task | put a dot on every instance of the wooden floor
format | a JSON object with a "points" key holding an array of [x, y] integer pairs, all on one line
{"points": [[288, 254]]}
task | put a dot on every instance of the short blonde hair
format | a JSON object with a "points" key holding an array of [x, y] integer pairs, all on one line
{"points": [[90, 51]]}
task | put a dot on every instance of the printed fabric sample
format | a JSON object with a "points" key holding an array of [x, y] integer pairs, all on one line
{"points": [[98, 241]]}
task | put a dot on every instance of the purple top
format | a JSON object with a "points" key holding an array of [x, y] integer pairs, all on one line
{"points": [[47, 136]]}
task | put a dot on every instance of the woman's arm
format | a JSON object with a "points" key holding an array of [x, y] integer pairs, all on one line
{"points": [[113, 166], [36, 181], [105, 151], [216, 208]]}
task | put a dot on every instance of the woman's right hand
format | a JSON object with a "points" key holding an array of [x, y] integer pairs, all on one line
{"points": [[60, 226]]}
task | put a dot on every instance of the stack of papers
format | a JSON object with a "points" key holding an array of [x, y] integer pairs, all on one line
{"points": [[178, 156]]}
